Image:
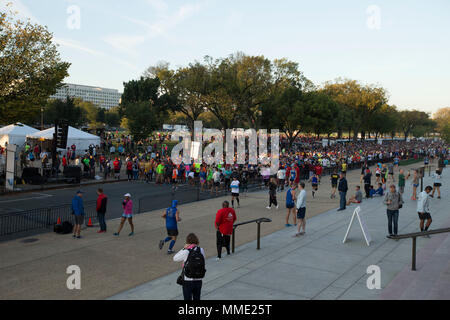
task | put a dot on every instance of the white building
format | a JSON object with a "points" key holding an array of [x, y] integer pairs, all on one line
{"points": [[102, 97]]}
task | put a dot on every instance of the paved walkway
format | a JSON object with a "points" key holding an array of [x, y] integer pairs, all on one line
{"points": [[319, 266], [315, 266]]}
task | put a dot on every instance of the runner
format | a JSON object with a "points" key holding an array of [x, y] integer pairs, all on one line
{"points": [[334, 182], [437, 183], [172, 216], [423, 209], [314, 184], [301, 210], [127, 206], [401, 181], [235, 192], [272, 193], [290, 205]]}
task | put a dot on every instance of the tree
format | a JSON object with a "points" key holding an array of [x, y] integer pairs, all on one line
{"points": [[321, 112], [410, 120], [90, 111], [384, 121], [442, 119], [64, 110], [142, 105], [112, 118], [30, 68], [286, 112]]}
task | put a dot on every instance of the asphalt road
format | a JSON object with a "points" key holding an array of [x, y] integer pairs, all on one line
{"points": [[114, 191]]}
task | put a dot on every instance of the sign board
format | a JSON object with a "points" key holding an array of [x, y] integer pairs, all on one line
{"points": [[10, 166], [324, 142], [363, 226], [380, 141]]}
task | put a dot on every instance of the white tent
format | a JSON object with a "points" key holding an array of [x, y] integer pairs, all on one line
{"points": [[79, 138], [15, 134]]}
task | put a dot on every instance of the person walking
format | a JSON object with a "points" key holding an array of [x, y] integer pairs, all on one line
{"points": [[394, 202], [193, 268], [225, 219], [367, 182], [127, 206], [401, 181], [272, 193], [342, 188], [78, 211], [102, 201], [423, 209], [301, 210], [172, 216], [334, 183], [290, 204]]}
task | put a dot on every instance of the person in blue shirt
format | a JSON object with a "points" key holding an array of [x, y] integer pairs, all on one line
{"points": [[314, 184], [290, 205], [172, 216], [78, 212], [379, 192]]}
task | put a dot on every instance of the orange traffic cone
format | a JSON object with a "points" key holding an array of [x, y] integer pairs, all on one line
{"points": [[90, 223], [59, 221]]}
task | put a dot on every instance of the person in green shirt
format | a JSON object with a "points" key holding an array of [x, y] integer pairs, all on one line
{"points": [[401, 181], [159, 173]]}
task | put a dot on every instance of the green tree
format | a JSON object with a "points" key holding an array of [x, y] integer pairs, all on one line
{"points": [[64, 110], [30, 68], [321, 112], [112, 118], [410, 120]]}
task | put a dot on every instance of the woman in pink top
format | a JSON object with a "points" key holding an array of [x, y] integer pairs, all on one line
{"points": [[127, 205]]}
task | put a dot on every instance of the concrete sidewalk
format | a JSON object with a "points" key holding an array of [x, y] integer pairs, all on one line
{"points": [[134, 267], [319, 266]]}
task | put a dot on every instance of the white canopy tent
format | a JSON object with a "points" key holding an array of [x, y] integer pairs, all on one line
{"points": [[15, 134], [82, 140]]}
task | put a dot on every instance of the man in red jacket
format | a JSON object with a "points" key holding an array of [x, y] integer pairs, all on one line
{"points": [[101, 210], [225, 219]]}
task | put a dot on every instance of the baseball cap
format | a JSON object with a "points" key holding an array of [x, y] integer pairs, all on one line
{"points": [[79, 191], [127, 195]]}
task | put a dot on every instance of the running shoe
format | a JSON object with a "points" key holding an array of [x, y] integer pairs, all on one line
{"points": [[161, 244], [269, 208], [170, 251], [116, 234], [288, 225], [131, 234]]}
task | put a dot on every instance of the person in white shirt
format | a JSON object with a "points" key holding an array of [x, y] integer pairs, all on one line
{"points": [[191, 286], [423, 209], [301, 210], [281, 176], [234, 191], [216, 179], [436, 183]]}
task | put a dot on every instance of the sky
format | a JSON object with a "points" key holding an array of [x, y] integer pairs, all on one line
{"points": [[402, 45]]}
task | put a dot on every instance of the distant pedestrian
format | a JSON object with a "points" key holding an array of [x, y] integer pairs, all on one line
{"points": [[234, 185], [301, 210], [342, 188], [225, 219], [273, 193], [78, 211], [423, 209], [102, 201], [193, 258], [127, 206], [401, 181], [394, 202], [172, 216]]}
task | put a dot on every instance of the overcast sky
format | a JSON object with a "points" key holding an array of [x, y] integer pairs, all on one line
{"points": [[401, 45]]}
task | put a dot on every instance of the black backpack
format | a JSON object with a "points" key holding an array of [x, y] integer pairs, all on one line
{"points": [[64, 228], [194, 267]]}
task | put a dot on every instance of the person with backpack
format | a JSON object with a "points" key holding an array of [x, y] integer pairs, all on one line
{"points": [[394, 202], [225, 219], [172, 216], [193, 269], [101, 210]]}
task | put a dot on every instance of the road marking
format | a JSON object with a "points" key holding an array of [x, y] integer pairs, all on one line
{"points": [[41, 195]]}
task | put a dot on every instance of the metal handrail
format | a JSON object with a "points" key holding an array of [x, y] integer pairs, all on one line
{"points": [[414, 236], [258, 222]]}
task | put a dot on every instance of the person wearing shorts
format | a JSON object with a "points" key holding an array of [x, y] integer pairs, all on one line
{"points": [[78, 212], [423, 209], [234, 192], [301, 210], [437, 184], [334, 183], [127, 206], [172, 216], [290, 205]]}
